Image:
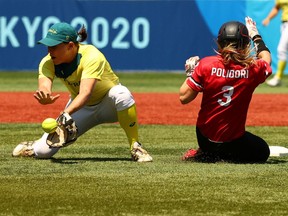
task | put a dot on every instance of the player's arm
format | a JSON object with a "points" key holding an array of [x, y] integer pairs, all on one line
{"points": [[264, 54], [262, 50], [274, 11], [187, 94], [44, 93], [86, 88]]}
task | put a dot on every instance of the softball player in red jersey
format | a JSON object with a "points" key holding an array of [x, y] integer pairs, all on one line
{"points": [[97, 97], [227, 81]]}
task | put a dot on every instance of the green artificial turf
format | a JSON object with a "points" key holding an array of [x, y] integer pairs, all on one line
{"points": [[136, 82], [95, 176]]}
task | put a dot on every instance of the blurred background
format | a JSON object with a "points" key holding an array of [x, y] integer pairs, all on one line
{"points": [[139, 35]]}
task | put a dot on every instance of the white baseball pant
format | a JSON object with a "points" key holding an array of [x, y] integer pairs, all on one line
{"points": [[117, 99]]}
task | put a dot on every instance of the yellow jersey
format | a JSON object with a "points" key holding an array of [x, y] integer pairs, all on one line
{"points": [[283, 5], [89, 63]]}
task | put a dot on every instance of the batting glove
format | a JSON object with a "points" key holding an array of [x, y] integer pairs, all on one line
{"points": [[190, 65], [251, 26]]}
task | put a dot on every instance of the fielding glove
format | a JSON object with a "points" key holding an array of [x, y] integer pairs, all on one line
{"points": [[65, 134]]}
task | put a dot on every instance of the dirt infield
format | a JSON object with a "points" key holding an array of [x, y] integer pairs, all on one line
{"points": [[153, 108]]}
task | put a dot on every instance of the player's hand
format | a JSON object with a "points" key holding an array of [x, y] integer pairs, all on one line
{"points": [[45, 98], [190, 65], [251, 26], [266, 22]]}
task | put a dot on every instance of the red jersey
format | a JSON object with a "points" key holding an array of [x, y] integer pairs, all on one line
{"points": [[227, 92]]}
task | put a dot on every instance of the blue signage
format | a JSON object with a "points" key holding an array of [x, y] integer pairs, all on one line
{"points": [[133, 35]]}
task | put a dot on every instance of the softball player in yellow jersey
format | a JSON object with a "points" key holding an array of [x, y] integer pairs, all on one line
{"points": [[97, 97], [283, 42]]}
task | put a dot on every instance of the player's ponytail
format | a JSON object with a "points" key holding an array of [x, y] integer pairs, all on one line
{"points": [[82, 34], [230, 53]]}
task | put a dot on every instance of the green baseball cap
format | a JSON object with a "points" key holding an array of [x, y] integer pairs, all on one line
{"points": [[59, 33]]}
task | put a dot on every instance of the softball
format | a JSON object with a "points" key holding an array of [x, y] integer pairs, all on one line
{"points": [[49, 125]]}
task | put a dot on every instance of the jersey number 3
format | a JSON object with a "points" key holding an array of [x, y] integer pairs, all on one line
{"points": [[226, 100]]}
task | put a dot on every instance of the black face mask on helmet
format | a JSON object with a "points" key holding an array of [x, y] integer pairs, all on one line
{"points": [[233, 32]]}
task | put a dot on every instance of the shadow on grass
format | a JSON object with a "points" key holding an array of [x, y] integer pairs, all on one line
{"points": [[276, 161], [91, 159]]}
